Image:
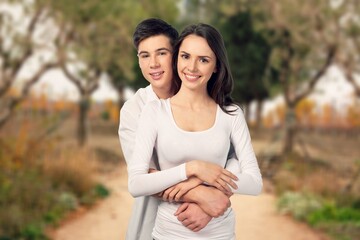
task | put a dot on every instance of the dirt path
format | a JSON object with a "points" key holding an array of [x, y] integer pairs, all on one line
{"points": [[257, 218]]}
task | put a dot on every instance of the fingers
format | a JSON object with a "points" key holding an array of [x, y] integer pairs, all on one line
{"points": [[165, 195], [230, 175], [193, 226], [181, 209], [229, 181], [170, 194], [222, 186]]}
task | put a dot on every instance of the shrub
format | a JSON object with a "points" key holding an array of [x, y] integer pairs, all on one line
{"points": [[298, 204]]}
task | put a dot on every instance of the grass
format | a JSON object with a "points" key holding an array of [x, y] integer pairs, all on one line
{"points": [[317, 194], [40, 183]]}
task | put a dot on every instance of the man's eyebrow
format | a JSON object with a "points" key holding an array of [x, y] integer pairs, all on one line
{"points": [[157, 50], [161, 49], [141, 52]]}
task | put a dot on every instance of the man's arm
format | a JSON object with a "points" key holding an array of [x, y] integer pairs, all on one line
{"points": [[129, 117]]}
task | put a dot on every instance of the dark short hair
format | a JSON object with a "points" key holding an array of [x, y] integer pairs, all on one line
{"points": [[152, 27], [221, 83]]}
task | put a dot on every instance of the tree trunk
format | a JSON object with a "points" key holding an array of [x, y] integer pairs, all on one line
{"points": [[290, 130], [259, 107], [121, 93], [84, 106], [247, 112]]}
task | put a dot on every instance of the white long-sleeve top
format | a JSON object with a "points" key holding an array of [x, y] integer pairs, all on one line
{"points": [[142, 219], [175, 147]]}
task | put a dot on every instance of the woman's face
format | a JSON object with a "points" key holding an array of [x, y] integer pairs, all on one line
{"points": [[196, 62]]}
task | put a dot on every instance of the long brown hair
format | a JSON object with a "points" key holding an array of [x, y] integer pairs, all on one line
{"points": [[221, 83]]}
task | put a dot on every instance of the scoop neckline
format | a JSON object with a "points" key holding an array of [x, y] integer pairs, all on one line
{"points": [[168, 103]]}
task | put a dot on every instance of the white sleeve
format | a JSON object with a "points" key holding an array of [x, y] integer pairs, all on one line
{"points": [[250, 180], [129, 117], [127, 128], [141, 183]]}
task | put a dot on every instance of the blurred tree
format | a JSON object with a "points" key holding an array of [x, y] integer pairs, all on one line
{"points": [[25, 41], [304, 37], [249, 55], [95, 36], [353, 116], [349, 58], [304, 112]]}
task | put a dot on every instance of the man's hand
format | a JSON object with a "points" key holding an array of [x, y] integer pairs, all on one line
{"points": [[211, 200], [192, 216], [175, 192]]}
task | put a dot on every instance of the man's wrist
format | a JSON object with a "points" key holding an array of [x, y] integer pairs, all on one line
{"points": [[194, 195]]}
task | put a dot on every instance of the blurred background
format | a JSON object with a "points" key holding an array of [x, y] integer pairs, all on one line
{"points": [[66, 68]]}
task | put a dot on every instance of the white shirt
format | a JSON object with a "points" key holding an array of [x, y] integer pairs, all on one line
{"points": [[142, 219], [175, 147]]}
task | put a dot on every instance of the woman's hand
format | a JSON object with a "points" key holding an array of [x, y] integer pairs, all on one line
{"points": [[175, 192], [212, 174]]}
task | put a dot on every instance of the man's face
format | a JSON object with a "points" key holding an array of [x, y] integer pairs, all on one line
{"points": [[155, 56]]}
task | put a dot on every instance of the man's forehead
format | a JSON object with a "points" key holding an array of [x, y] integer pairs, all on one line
{"points": [[155, 43]]}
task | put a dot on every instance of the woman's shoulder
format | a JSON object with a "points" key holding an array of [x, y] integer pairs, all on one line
{"points": [[233, 110]]}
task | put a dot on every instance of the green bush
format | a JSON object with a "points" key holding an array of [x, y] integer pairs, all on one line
{"points": [[330, 212], [298, 204], [29, 201], [340, 222]]}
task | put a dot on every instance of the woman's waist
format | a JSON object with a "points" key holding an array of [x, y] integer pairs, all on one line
{"points": [[166, 212], [167, 225]]}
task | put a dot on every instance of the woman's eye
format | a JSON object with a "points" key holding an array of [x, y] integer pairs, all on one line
{"points": [[204, 60], [184, 56]]}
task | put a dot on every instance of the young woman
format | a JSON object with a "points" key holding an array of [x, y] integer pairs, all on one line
{"points": [[199, 122]]}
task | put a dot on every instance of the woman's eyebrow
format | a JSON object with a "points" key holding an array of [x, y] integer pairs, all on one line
{"points": [[205, 56]]}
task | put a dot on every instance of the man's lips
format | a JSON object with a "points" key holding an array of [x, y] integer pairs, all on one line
{"points": [[156, 75]]}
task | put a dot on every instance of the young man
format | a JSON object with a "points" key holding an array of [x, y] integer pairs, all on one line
{"points": [[154, 40]]}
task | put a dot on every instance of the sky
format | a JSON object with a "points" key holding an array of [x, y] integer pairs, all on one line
{"points": [[56, 86]]}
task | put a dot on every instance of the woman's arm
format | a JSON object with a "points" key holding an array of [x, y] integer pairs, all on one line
{"points": [[140, 182], [249, 177]]}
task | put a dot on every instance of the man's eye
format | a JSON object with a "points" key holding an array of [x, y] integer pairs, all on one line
{"points": [[144, 55], [162, 53]]}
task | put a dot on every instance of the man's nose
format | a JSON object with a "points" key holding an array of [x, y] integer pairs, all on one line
{"points": [[154, 63]]}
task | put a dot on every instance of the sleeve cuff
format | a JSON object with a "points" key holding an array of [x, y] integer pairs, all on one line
{"points": [[183, 172]]}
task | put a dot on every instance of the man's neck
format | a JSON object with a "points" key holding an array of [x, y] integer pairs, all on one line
{"points": [[162, 93]]}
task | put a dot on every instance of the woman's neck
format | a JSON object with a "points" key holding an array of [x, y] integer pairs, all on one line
{"points": [[193, 99]]}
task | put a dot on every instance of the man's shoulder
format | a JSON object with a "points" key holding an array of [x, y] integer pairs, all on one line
{"points": [[136, 102]]}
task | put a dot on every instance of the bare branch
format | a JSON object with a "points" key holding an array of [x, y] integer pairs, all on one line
{"points": [[14, 101], [6, 84], [329, 60], [29, 48], [350, 77]]}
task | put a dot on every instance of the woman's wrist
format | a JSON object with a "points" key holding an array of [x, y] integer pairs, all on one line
{"points": [[191, 168]]}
